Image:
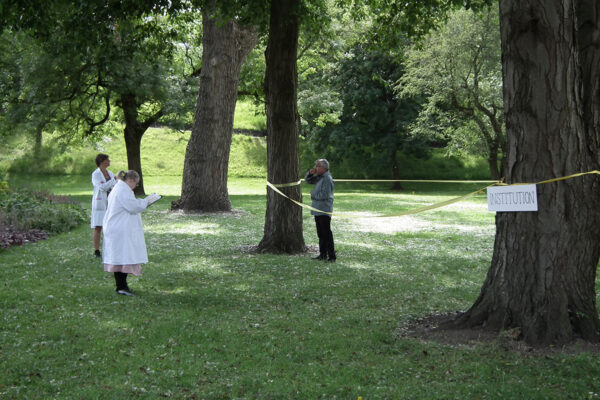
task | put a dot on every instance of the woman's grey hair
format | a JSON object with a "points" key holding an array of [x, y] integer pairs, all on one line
{"points": [[323, 163], [131, 174]]}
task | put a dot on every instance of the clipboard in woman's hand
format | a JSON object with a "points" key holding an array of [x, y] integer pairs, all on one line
{"points": [[153, 198]]}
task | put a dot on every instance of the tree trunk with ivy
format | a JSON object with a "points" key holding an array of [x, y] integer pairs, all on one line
{"points": [[225, 47], [542, 278], [283, 220]]}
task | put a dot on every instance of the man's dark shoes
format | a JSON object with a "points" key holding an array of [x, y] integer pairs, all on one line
{"points": [[319, 258], [331, 260], [97, 254], [125, 292]]}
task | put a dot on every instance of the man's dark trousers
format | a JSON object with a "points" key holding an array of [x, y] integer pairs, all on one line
{"points": [[326, 248]]}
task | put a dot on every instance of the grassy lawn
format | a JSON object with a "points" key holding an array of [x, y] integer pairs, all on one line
{"points": [[212, 321]]}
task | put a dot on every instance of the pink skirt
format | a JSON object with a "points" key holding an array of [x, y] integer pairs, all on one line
{"points": [[135, 269]]}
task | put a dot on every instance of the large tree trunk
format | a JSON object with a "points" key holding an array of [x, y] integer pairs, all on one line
{"points": [[225, 46], [543, 270], [133, 138], [283, 220]]}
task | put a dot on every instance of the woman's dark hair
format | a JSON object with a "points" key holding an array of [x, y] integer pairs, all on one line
{"points": [[100, 158]]}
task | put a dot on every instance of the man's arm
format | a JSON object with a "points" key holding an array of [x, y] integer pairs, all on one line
{"points": [[310, 178]]}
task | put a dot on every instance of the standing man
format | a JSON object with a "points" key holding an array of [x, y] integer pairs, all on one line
{"points": [[322, 200]]}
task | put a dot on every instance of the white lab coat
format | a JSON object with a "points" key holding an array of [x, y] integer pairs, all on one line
{"points": [[124, 242], [99, 200]]}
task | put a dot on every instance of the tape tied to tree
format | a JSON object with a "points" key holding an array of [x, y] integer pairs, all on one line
{"points": [[282, 185]]}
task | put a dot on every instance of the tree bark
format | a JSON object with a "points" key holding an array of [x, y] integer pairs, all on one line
{"points": [[37, 146], [225, 46], [283, 220], [543, 269], [133, 138], [395, 171], [133, 132], [493, 162]]}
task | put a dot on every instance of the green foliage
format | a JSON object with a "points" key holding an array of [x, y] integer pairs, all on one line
{"points": [[457, 70], [320, 100], [26, 209], [396, 20], [431, 164], [438, 165], [251, 84], [55, 157], [93, 58], [373, 122]]}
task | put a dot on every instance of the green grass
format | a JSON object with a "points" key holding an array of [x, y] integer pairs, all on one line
{"points": [[249, 116], [212, 321], [162, 151], [162, 154]]}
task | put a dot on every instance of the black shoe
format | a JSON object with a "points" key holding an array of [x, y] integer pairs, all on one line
{"points": [[125, 292], [97, 254], [331, 260], [319, 258]]}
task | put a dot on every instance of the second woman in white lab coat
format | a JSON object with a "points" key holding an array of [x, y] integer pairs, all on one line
{"points": [[103, 181], [124, 247]]}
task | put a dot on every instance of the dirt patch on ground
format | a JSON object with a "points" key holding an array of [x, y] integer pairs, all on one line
{"points": [[431, 329]]}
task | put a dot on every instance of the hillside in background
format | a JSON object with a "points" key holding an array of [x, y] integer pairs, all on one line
{"points": [[163, 153]]}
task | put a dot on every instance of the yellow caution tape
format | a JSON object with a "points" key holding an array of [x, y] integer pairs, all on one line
{"points": [[562, 178], [348, 215], [437, 205], [409, 180], [386, 181], [286, 184], [269, 184], [421, 209]]}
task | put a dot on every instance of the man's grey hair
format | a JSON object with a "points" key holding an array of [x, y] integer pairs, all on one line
{"points": [[323, 163]]}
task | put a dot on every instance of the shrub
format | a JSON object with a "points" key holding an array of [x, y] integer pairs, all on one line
{"points": [[28, 209]]}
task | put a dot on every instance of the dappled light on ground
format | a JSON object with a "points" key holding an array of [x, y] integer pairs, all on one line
{"points": [[216, 318], [407, 223], [188, 228]]}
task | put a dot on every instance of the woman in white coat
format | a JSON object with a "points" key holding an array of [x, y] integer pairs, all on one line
{"points": [[103, 180], [124, 247]]}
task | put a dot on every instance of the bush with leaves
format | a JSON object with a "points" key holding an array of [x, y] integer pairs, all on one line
{"points": [[30, 215]]}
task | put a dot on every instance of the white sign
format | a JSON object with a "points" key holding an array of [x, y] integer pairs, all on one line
{"points": [[512, 198]]}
